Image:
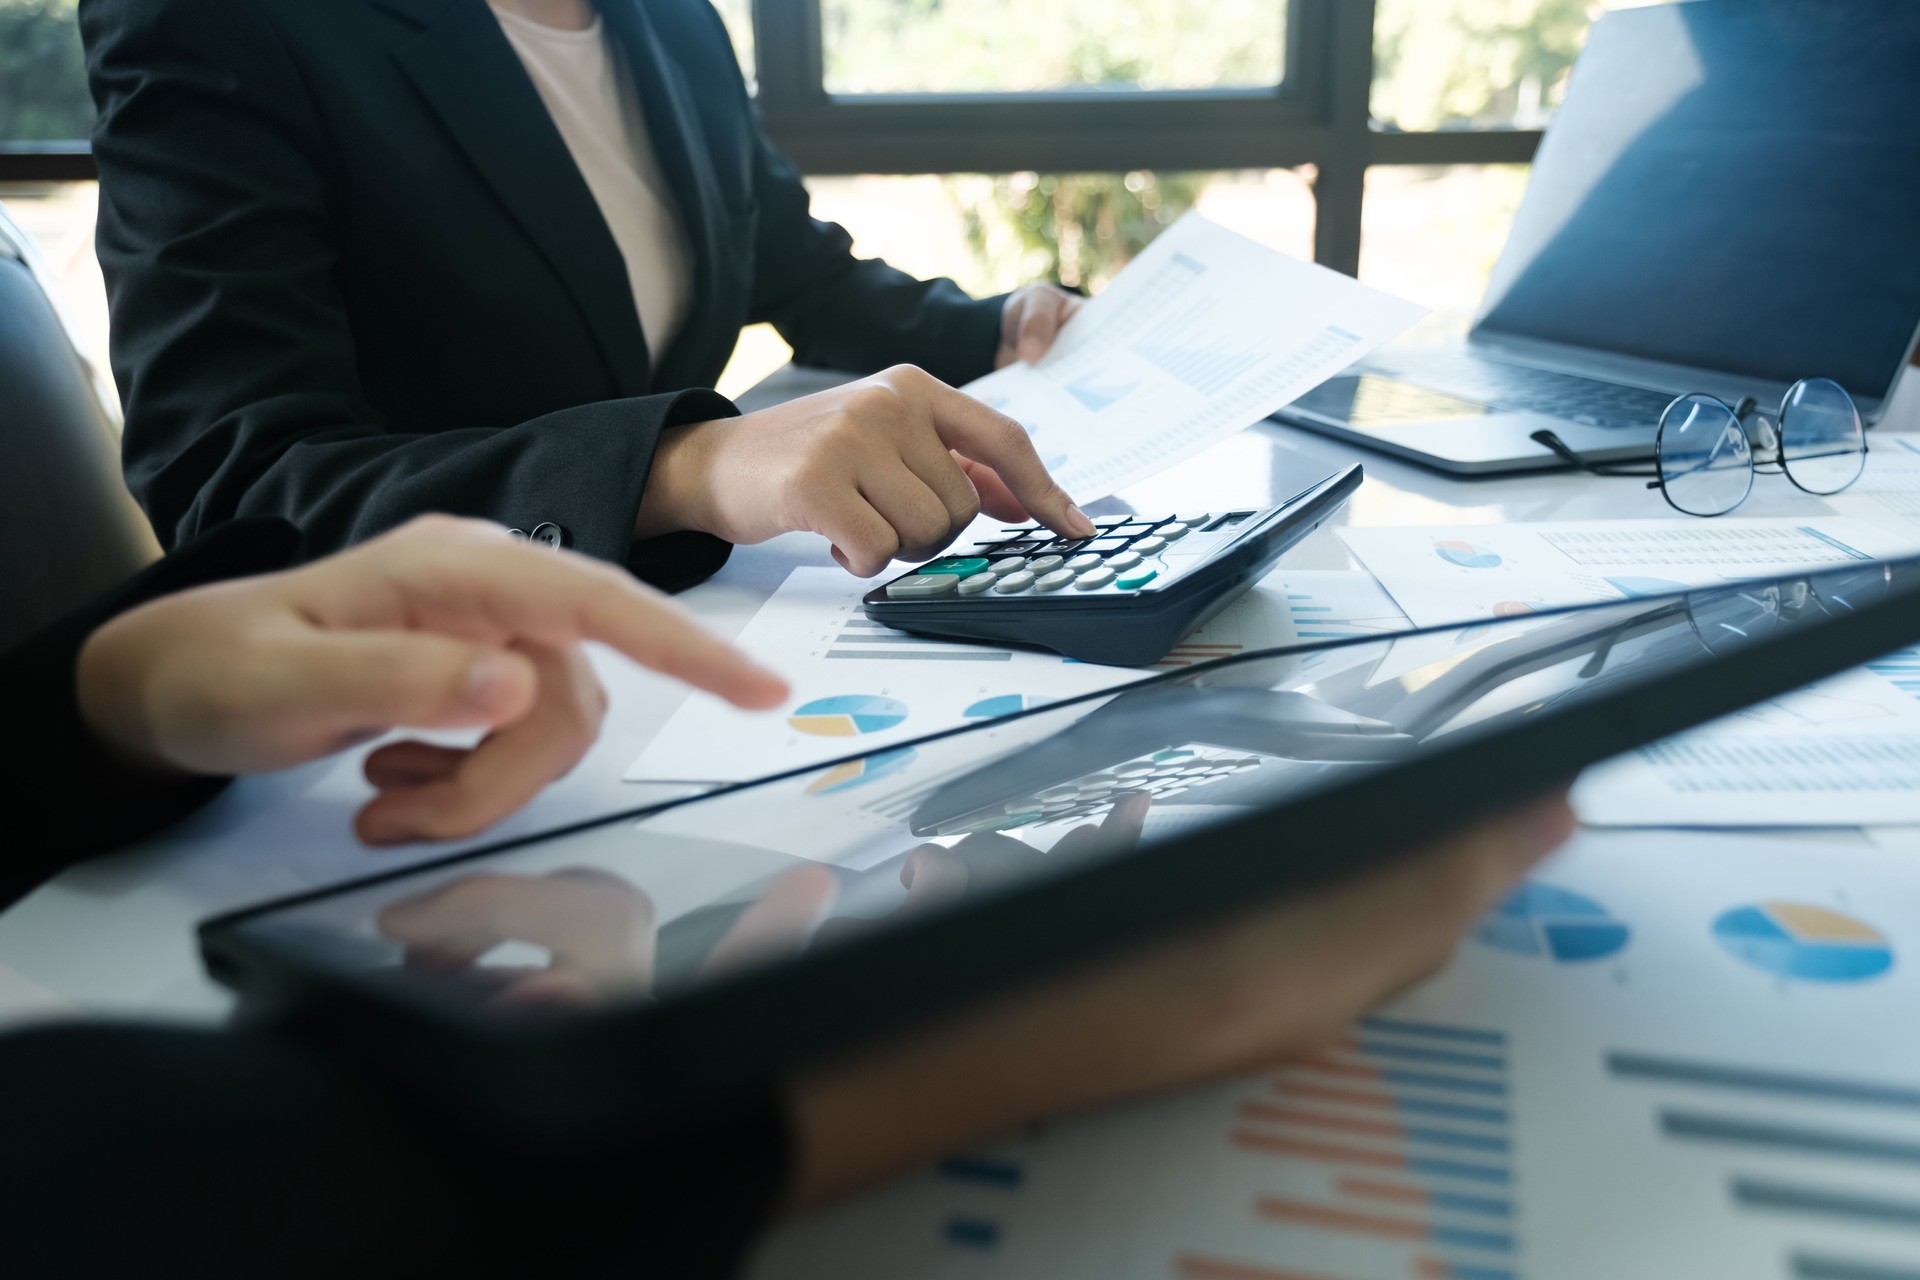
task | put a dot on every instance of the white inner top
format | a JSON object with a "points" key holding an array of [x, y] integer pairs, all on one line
{"points": [[587, 84]]}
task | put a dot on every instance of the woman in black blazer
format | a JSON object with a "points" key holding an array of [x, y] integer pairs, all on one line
{"points": [[357, 275], [155, 1150]]}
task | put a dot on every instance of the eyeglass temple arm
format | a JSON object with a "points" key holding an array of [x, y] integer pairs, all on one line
{"points": [[1559, 448]]}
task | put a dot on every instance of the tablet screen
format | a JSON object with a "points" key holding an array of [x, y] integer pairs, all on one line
{"points": [[639, 909]]}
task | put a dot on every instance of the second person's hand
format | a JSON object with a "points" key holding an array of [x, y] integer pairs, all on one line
{"points": [[895, 465]]}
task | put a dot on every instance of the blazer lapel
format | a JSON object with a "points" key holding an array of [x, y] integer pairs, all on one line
{"points": [[464, 67], [679, 145]]}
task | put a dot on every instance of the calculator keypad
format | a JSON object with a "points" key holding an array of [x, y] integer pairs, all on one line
{"points": [[1127, 553]]}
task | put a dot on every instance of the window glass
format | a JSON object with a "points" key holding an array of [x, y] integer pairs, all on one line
{"points": [[43, 77], [1012, 46], [1477, 64], [1431, 234]]}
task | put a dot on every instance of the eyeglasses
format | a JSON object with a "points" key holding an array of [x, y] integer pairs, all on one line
{"points": [[1704, 461]]}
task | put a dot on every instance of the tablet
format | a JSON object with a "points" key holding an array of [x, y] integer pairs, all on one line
{"points": [[635, 970]]}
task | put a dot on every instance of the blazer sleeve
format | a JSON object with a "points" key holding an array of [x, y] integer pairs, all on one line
{"points": [[249, 1154], [68, 796], [232, 344]]}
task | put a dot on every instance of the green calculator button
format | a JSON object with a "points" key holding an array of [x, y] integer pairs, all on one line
{"points": [[965, 566], [1138, 578]]}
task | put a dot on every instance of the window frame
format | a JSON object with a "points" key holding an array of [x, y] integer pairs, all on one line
{"points": [[1318, 116]]}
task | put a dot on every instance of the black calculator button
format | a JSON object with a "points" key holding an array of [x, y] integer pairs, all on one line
{"points": [[1055, 580], [1064, 547], [1173, 531], [976, 584], [1094, 581], [1106, 546], [1016, 548], [1045, 564], [1014, 582], [1125, 560], [1001, 568], [1084, 561], [919, 586], [1147, 546]]}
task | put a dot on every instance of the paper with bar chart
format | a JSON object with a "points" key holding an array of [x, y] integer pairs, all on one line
{"points": [[858, 684], [1467, 573], [1204, 334], [1643, 1067], [1888, 490]]}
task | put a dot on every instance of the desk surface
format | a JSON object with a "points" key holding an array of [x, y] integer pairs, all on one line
{"points": [[116, 935]]}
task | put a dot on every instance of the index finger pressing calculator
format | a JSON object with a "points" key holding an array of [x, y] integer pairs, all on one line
{"points": [[1124, 596]]}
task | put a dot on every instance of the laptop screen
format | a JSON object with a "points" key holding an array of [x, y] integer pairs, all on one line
{"points": [[1732, 185]]}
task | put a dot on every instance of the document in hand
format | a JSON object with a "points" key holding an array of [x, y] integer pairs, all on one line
{"points": [[1202, 335]]}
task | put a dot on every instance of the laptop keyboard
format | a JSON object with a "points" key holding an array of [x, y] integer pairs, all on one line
{"points": [[1516, 387]]}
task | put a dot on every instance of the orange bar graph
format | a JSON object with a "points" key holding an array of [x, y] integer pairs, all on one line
{"points": [[1320, 1215], [1368, 1189], [1195, 1267], [1330, 1152], [1328, 1093], [1319, 1120]]}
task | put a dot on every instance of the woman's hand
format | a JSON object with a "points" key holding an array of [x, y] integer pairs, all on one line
{"points": [[1273, 985], [441, 624], [1031, 320], [891, 466]]}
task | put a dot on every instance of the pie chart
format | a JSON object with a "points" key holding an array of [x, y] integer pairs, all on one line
{"points": [[1466, 555], [1800, 940], [848, 715], [857, 773], [1550, 923], [1005, 704]]}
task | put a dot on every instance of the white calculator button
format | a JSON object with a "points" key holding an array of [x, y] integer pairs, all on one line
{"points": [[1014, 582], [1082, 563], [1125, 560], [976, 584], [1173, 531], [1001, 568], [1054, 581], [1045, 564], [1147, 546], [1087, 581], [920, 585]]}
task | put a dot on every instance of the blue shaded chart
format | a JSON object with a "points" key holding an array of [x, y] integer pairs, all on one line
{"points": [[1640, 588], [1800, 940], [1096, 395], [848, 715], [1466, 555], [1004, 704], [1901, 670], [858, 773], [1546, 922]]}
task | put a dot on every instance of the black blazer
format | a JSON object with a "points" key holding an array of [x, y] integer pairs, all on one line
{"points": [[355, 274]]}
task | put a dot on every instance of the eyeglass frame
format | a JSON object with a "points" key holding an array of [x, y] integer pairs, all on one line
{"points": [[1749, 407]]}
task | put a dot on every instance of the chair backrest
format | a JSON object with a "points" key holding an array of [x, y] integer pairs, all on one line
{"points": [[71, 530]]}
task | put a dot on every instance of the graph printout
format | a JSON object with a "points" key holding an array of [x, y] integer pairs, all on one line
{"points": [[1468, 573], [1644, 1065], [1202, 335], [858, 684]]}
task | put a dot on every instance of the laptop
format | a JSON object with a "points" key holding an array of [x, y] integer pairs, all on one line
{"points": [[1728, 202]]}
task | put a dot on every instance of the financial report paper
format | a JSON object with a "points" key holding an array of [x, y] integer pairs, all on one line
{"points": [[1204, 334]]}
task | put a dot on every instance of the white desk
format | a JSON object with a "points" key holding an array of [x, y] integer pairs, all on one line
{"points": [[116, 935]]}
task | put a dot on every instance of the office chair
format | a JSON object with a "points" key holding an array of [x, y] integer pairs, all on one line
{"points": [[71, 529]]}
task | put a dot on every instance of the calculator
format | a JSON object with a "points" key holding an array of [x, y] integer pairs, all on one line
{"points": [[1123, 597]]}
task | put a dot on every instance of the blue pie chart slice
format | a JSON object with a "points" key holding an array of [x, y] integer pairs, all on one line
{"points": [[1466, 555], [1549, 923], [1005, 704], [1800, 940], [848, 715]]}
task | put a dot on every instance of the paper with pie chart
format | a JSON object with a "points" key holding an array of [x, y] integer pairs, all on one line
{"points": [[1202, 335], [1648, 1061], [860, 685], [1468, 573]]}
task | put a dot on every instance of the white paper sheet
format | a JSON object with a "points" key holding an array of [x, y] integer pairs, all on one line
{"points": [[1202, 335], [1467, 573], [1888, 489], [813, 632], [1650, 1065]]}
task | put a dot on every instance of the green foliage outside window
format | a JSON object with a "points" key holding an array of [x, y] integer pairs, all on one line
{"points": [[43, 77]]}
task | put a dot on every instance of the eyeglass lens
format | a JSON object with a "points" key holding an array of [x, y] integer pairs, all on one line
{"points": [[1823, 446], [1706, 464]]}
